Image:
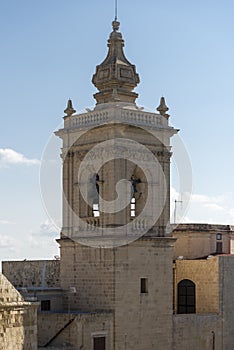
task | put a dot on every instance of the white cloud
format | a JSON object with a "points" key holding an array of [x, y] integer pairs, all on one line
{"points": [[201, 198], [47, 228], [213, 206], [231, 213], [10, 157], [44, 239], [203, 208], [6, 222], [7, 242]]}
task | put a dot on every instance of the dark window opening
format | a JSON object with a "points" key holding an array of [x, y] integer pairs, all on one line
{"points": [[144, 285], [96, 211], [45, 305], [99, 343], [186, 297], [219, 247], [134, 182]]}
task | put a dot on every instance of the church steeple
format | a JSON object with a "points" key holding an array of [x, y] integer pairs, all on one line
{"points": [[115, 77]]}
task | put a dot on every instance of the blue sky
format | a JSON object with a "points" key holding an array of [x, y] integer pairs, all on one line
{"points": [[182, 49]]}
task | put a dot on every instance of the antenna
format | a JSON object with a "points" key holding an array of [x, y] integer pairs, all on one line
{"points": [[116, 9], [176, 201]]}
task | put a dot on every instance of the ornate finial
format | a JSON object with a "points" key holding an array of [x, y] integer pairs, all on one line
{"points": [[69, 110], [115, 25], [162, 108]]}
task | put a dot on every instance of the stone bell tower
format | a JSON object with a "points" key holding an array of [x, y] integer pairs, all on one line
{"points": [[116, 247]]}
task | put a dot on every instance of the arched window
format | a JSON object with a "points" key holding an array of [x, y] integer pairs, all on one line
{"points": [[96, 211], [186, 297], [135, 181], [133, 207]]}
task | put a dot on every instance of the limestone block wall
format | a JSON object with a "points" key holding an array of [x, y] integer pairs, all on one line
{"points": [[232, 241], [55, 297], [110, 279], [143, 320], [74, 330], [91, 272], [192, 331], [226, 266], [199, 240], [192, 245], [18, 319], [34, 273], [205, 274]]}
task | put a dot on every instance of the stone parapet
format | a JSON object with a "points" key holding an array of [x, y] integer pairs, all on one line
{"points": [[115, 114], [36, 273]]}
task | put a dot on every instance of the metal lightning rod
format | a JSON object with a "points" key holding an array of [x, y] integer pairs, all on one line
{"points": [[116, 9], [175, 209]]}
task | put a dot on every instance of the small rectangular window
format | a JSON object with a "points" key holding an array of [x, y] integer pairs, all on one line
{"points": [[45, 305], [99, 343], [219, 247], [144, 285], [219, 237]]}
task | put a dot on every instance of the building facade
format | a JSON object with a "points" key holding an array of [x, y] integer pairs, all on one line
{"points": [[127, 279]]}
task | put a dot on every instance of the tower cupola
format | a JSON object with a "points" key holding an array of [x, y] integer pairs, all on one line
{"points": [[115, 77]]}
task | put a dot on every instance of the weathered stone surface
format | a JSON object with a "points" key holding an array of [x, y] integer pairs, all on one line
{"points": [[34, 273], [200, 240], [192, 331], [18, 319], [206, 276], [74, 330], [226, 278]]}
